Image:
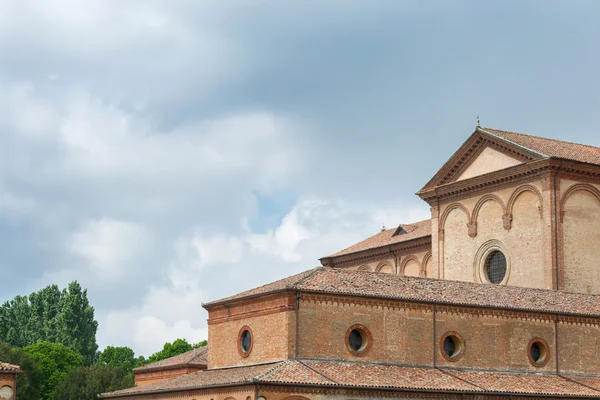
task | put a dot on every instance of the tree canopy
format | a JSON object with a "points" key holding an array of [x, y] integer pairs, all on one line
{"points": [[179, 346], [86, 383], [54, 362], [122, 357], [28, 383], [54, 316]]}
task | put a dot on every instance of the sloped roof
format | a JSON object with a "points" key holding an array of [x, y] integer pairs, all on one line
{"points": [[390, 286], [550, 147], [387, 237], [204, 378], [6, 367], [196, 357], [371, 376]]}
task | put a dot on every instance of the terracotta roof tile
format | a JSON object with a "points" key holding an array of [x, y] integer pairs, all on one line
{"points": [[196, 357], [525, 383], [282, 284], [408, 232], [377, 376], [550, 147], [204, 378], [389, 286], [6, 367], [338, 374]]}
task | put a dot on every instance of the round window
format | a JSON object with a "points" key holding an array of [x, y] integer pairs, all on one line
{"points": [[538, 352], [492, 263], [495, 266], [6, 392], [358, 340], [245, 341], [452, 346]]}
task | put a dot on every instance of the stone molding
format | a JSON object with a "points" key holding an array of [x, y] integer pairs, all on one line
{"points": [[377, 253]]}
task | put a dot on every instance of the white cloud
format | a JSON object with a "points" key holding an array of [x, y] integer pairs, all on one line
{"points": [[110, 247]]}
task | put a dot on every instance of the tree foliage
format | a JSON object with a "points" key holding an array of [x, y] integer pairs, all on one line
{"points": [[54, 362], [178, 346], [122, 357], [28, 383], [54, 316], [85, 383]]}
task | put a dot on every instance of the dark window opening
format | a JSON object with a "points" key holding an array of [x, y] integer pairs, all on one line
{"points": [[495, 266], [246, 341], [449, 346], [355, 339], [535, 352]]}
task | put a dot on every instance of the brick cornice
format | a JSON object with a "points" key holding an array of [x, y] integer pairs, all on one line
{"points": [[521, 173]]}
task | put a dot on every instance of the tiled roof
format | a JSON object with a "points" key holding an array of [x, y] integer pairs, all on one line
{"points": [[337, 374], [196, 357], [282, 284], [407, 232], [6, 367], [550, 147], [390, 286], [204, 378]]}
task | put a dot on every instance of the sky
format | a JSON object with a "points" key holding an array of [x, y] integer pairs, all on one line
{"points": [[170, 153]]}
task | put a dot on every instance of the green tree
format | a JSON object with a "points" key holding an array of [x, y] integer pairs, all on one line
{"points": [[51, 315], [14, 318], [54, 362], [86, 383], [179, 346], [122, 357], [28, 383], [76, 326], [201, 343]]}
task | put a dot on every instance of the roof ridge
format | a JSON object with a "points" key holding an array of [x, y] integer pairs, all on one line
{"points": [[270, 371], [304, 278], [318, 372], [536, 136]]}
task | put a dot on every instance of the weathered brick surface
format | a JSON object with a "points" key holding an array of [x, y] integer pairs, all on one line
{"points": [[272, 322], [145, 378], [403, 333], [469, 226], [580, 218]]}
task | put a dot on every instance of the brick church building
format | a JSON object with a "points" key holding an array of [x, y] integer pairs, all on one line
{"points": [[494, 297]]}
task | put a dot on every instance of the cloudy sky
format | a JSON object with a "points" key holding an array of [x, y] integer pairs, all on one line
{"points": [[169, 153]]}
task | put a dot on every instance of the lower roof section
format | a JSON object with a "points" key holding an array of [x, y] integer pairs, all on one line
{"points": [[369, 376]]}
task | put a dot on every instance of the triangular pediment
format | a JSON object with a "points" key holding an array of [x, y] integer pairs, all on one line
{"points": [[481, 154], [488, 160]]}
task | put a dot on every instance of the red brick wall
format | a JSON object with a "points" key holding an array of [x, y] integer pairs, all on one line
{"points": [[144, 378], [403, 333], [272, 322]]}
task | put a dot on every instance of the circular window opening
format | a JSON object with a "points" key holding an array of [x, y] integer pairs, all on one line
{"points": [[538, 352], [358, 340], [245, 341], [6, 392], [452, 346], [495, 266]]}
